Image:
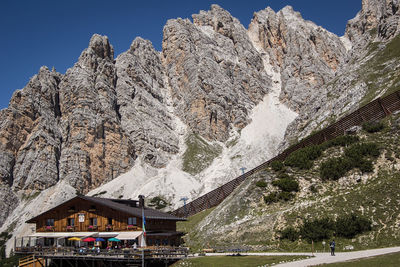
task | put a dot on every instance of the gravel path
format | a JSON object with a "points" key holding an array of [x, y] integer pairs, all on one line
{"points": [[321, 258]]}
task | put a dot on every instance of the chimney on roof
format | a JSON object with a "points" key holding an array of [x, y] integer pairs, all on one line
{"points": [[141, 201]]}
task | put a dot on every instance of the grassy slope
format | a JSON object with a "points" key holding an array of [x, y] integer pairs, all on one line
{"points": [[236, 261], [191, 223], [199, 154], [375, 195], [381, 71]]}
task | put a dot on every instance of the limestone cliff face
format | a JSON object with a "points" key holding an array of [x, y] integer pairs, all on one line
{"points": [[95, 148], [368, 69], [30, 135], [142, 102], [382, 16], [30, 140], [215, 74], [308, 56]]}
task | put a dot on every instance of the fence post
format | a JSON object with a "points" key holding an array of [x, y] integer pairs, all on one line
{"points": [[208, 202], [223, 193], [383, 107]]}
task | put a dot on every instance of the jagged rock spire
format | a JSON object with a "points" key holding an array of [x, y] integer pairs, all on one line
{"points": [[377, 18]]}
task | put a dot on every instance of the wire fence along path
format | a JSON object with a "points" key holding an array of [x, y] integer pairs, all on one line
{"points": [[375, 110]]}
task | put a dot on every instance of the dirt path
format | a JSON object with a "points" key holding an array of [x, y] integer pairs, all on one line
{"points": [[321, 258]]}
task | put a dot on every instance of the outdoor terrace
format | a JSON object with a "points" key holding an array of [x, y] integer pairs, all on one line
{"points": [[107, 257]]}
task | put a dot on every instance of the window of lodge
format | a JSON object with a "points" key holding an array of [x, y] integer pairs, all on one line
{"points": [[93, 221], [49, 222], [132, 221], [71, 221]]}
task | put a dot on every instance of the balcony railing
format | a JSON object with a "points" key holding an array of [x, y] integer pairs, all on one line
{"points": [[132, 228], [49, 228], [149, 253], [93, 227], [82, 228], [70, 228]]}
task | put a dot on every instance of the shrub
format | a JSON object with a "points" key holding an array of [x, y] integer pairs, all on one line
{"points": [[334, 168], [277, 165], [357, 151], [287, 184], [290, 233], [318, 229], [373, 126], [365, 165], [158, 203], [285, 196], [354, 157], [271, 198], [284, 175], [4, 236], [349, 226], [343, 140], [277, 196], [303, 157], [298, 159], [314, 189], [261, 183], [389, 155]]}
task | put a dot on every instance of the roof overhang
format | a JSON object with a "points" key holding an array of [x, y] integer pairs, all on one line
{"points": [[120, 235], [165, 234], [63, 234], [128, 235]]}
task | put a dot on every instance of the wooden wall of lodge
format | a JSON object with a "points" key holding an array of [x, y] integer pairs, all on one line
{"points": [[102, 213]]}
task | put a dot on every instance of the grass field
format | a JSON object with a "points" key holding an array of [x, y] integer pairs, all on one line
{"points": [[236, 261], [387, 260]]}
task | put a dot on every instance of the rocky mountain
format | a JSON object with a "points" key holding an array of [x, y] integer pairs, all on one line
{"points": [[182, 121], [215, 74], [306, 55], [367, 68]]}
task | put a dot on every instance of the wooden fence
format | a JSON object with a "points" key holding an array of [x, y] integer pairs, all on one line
{"points": [[373, 111]]}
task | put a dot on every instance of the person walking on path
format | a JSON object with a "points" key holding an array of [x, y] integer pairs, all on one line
{"points": [[332, 246]]}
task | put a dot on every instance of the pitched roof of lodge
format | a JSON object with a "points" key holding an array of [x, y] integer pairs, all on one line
{"points": [[116, 204]]}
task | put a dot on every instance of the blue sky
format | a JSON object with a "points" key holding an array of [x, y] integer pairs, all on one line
{"points": [[54, 33]]}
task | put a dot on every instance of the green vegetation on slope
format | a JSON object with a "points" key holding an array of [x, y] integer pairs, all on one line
{"points": [[373, 196], [246, 220], [358, 155], [379, 72], [190, 225], [199, 154], [305, 157], [318, 229], [4, 236], [13, 259], [158, 203]]}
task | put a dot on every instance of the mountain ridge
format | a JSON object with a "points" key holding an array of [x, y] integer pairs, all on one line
{"points": [[121, 126]]}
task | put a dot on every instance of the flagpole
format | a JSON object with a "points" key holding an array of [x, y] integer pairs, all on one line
{"points": [[143, 241], [143, 229]]}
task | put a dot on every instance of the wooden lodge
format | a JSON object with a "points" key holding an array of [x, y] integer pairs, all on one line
{"points": [[114, 228], [104, 218]]}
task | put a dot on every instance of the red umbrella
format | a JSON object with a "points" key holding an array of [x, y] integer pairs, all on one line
{"points": [[89, 239]]}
